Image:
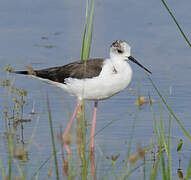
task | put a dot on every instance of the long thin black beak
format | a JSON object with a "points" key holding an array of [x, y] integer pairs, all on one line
{"points": [[136, 62]]}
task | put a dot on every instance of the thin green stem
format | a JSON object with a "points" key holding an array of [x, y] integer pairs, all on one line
{"points": [[52, 138], [2, 171], [9, 147], [169, 168], [41, 166], [169, 108], [132, 133], [173, 17]]}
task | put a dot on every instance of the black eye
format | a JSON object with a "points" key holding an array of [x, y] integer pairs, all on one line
{"points": [[119, 51]]}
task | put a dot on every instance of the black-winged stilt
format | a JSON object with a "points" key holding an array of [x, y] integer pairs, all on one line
{"points": [[92, 79]]}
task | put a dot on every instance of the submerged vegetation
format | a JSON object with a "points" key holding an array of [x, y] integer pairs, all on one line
{"points": [[150, 161]]}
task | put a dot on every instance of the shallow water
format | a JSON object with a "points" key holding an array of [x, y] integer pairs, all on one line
{"points": [[46, 33]]}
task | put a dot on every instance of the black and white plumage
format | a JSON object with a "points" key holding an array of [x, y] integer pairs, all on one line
{"points": [[92, 79]]}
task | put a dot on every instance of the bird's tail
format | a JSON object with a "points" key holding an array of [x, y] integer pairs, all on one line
{"points": [[21, 72], [30, 71]]}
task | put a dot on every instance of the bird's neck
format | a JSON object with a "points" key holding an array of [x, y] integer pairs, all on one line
{"points": [[117, 61]]}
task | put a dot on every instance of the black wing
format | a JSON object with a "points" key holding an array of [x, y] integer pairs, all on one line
{"points": [[79, 70]]}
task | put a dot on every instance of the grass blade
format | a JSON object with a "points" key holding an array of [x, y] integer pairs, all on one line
{"points": [[153, 174], [188, 176], [179, 27], [41, 166], [88, 30], [2, 171], [52, 138], [169, 108]]}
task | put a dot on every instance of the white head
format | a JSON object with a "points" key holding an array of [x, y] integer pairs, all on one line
{"points": [[120, 50]]}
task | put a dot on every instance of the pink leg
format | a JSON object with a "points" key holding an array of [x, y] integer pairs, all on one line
{"points": [[70, 124], [93, 127]]}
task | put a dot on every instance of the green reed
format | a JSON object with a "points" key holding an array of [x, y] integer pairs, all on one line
{"points": [[167, 173], [88, 29], [85, 52]]}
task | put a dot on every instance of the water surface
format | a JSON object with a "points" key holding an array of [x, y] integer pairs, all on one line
{"points": [[46, 33]]}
